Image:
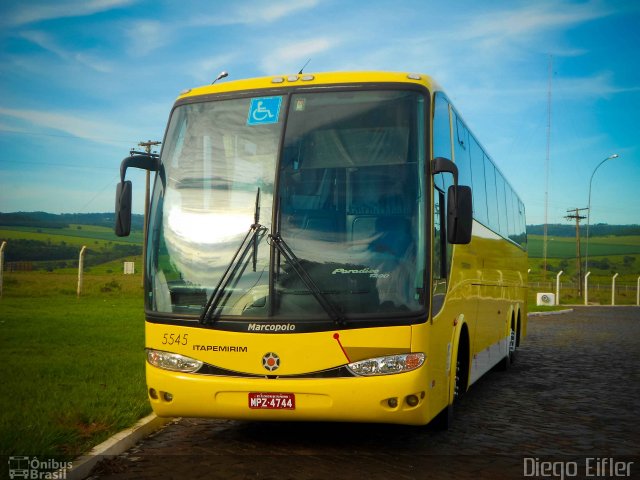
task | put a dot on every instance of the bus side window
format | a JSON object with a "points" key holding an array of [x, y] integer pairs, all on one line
{"points": [[441, 251], [462, 151]]}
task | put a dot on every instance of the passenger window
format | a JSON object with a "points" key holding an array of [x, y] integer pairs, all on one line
{"points": [[513, 218], [492, 198], [461, 146], [478, 188], [523, 226], [441, 128], [502, 206]]}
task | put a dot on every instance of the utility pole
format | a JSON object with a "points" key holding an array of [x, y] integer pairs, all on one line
{"points": [[147, 146], [577, 217], [546, 172]]}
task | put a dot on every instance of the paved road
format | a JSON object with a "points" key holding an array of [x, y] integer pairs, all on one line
{"points": [[573, 394]]}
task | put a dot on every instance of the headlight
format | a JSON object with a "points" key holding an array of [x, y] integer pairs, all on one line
{"points": [[173, 361], [387, 365]]}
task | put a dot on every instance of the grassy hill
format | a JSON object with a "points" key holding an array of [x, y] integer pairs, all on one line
{"points": [[49, 248], [50, 220], [42, 241], [565, 247]]}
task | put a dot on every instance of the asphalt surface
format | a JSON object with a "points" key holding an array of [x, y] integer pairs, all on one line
{"points": [[568, 408]]}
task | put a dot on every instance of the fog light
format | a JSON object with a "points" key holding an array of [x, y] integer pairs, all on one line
{"points": [[153, 394], [167, 396], [392, 402], [412, 400]]}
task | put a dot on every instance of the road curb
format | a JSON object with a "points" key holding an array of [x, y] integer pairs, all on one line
{"points": [[117, 444], [555, 312]]}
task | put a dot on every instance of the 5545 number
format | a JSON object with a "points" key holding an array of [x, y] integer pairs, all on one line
{"points": [[173, 339]]}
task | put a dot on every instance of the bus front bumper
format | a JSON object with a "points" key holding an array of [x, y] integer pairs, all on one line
{"points": [[400, 398]]}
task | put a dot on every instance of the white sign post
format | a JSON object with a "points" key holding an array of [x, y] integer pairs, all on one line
{"points": [[558, 287], [81, 269], [613, 289], [586, 288], [4, 244]]}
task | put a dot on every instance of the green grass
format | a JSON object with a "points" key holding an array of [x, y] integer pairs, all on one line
{"points": [[72, 368], [565, 247], [58, 249], [115, 267]]}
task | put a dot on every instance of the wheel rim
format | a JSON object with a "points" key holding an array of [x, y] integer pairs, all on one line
{"points": [[512, 342]]}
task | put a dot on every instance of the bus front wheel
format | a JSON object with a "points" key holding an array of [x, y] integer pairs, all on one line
{"points": [[444, 419]]}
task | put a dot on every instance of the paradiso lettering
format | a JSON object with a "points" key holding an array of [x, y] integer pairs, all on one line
{"points": [[365, 271]]}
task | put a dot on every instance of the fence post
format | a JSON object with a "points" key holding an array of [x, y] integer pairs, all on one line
{"points": [[4, 244], [81, 269], [586, 288], [558, 287], [613, 289]]}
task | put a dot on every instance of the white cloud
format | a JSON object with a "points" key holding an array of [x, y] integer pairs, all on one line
{"points": [[255, 12], [47, 42], [273, 11], [148, 35], [596, 86], [74, 125], [292, 56], [30, 12], [533, 19]]}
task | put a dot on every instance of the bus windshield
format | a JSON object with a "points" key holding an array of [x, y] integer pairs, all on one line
{"points": [[335, 179]]}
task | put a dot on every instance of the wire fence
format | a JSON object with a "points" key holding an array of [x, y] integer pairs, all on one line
{"points": [[599, 293]]}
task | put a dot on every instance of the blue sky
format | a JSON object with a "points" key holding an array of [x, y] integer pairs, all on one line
{"points": [[82, 82]]}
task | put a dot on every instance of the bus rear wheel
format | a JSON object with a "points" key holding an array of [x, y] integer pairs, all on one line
{"points": [[510, 357]]}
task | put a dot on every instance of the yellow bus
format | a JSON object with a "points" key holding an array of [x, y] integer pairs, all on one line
{"points": [[331, 247]]}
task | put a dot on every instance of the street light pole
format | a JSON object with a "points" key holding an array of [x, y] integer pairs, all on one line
{"points": [[586, 259]]}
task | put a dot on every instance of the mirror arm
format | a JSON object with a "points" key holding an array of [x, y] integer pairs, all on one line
{"points": [[150, 162], [444, 165]]}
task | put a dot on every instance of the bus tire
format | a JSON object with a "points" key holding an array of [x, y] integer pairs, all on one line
{"points": [[510, 357], [444, 419]]}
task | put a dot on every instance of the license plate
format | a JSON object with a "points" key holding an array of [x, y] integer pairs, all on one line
{"points": [[272, 401]]}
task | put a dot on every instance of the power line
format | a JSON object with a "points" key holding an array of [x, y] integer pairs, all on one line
{"points": [[546, 169]]}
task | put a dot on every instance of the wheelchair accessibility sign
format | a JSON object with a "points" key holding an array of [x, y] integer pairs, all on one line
{"points": [[264, 110]]}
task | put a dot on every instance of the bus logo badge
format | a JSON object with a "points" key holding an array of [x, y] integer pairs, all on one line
{"points": [[271, 361]]}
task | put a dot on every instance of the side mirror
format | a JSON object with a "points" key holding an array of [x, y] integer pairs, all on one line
{"points": [[123, 209], [145, 161], [459, 214]]}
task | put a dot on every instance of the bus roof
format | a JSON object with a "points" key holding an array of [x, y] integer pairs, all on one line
{"points": [[312, 79]]}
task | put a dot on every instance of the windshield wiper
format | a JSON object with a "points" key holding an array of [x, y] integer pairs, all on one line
{"points": [[237, 264], [287, 253]]}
